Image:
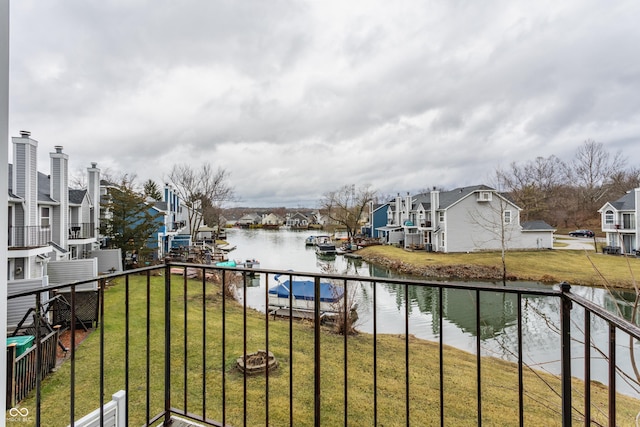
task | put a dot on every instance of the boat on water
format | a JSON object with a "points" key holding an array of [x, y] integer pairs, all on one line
{"points": [[229, 263], [303, 295], [346, 248], [326, 249], [315, 240], [250, 263]]}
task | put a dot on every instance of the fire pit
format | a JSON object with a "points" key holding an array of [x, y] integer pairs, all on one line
{"points": [[257, 362]]}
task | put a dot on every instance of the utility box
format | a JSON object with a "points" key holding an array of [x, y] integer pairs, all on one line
{"points": [[22, 342]]}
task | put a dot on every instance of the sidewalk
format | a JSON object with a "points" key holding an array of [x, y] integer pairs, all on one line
{"points": [[574, 243]]}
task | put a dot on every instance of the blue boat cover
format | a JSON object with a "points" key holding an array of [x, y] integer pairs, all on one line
{"points": [[303, 289]]}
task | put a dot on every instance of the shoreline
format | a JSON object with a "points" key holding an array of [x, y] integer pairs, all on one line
{"points": [[549, 267]]}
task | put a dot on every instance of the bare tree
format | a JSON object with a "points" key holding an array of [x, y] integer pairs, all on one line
{"points": [[78, 178], [590, 171], [622, 181], [533, 186], [199, 188], [498, 219], [346, 206]]}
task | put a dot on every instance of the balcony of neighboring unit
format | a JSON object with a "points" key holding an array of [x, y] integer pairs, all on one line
{"points": [[29, 237], [177, 226], [425, 224], [82, 230], [625, 227]]}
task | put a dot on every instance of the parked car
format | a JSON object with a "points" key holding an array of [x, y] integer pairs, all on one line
{"points": [[582, 233]]}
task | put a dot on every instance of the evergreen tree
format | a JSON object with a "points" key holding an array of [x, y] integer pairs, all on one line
{"points": [[130, 221], [152, 190]]}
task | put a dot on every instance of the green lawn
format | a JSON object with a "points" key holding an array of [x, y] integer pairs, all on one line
{"points": [[552, 266], [499, 378]]}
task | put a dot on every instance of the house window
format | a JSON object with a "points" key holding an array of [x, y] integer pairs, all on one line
{"points": [[628, 222], [44, 217], [442, 240], [441, 216], [507, 217], [608, 217], [484, 196]]}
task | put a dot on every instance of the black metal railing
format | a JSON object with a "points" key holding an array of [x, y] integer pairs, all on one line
{"points": [[29, 237], [171, 336], [82, 230]]}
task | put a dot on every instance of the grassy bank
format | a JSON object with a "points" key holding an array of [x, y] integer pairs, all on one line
{"points": [[499, 378], [552, 266]]}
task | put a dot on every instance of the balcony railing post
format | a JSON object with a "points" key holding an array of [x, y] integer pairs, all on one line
{"points": [[167, 344], [316, 335], [565, 321], [38, 350]]}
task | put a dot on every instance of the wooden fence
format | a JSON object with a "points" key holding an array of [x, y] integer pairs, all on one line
{"points": [[22, 370]]}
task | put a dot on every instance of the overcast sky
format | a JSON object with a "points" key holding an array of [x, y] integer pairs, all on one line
{"points": [[296, 98]]}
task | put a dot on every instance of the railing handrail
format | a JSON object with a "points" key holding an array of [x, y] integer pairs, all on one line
{"points": [[622, 324], [387, 280], [564, 295]]}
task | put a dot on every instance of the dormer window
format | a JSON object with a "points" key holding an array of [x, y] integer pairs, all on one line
{"points": [[484, 196], [608, 217]]}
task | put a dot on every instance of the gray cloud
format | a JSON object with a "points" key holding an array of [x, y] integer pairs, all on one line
{"points": [[298, 98]]}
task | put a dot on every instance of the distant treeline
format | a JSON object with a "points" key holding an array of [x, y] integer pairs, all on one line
{"points": [[569, 194]]}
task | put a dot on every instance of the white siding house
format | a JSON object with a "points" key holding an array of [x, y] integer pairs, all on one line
{"points": [[466, 219], [619, 221], [47, 222]]}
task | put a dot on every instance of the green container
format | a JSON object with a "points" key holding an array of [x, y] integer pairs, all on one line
{"points": [[22, 342]]}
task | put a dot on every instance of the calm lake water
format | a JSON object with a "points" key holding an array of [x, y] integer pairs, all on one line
{"points": [[285, 250]]}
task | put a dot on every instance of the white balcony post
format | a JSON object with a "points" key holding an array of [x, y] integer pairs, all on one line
{"points": [[4, 188]]}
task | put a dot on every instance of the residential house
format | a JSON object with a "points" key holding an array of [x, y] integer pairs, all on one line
{"points": [[297, 220], [172, 225], [271, 220], [249, 219], [466, 219], [318, 218], [377, 220], [619, 221], [48, 223]]}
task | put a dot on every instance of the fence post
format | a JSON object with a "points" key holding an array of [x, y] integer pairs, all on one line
{"points": [[565, 330], [53, 346], [11, 375]]}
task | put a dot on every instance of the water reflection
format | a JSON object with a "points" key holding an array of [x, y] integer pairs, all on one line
{"points": [[498, 312]]}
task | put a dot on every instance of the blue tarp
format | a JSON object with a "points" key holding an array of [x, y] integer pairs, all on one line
{"points": [[303, 289]]}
